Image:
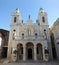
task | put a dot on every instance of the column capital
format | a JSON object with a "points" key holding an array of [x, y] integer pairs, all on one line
{"points": [[24, 46], [35, 46]]}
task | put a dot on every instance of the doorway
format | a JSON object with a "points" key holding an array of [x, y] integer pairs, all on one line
{"points": [[4, 52], [29, 53]]}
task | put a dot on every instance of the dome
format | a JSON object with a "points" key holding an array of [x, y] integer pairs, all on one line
{"points": [[17, 10], [41, 10]]}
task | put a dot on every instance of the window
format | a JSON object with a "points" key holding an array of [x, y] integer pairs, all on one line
{"points": [[14, 19], [22, 35], [14, 34], [35, 35], [45, 33], [14, 30], [22, 50], [37, 51], [44, 30], [43, 19], [29, 32]]}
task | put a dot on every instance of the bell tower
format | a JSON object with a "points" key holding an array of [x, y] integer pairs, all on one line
{"points": [[43, 23], [42, 17], [16, 21], [16, 17]]}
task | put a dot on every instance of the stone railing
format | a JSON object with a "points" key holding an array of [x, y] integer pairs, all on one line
{"points": [[31, 37]]}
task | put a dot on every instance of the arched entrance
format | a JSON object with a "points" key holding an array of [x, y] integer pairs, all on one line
{"points": [[29, 50], [29, 53], [20, 51], [39, 51]]}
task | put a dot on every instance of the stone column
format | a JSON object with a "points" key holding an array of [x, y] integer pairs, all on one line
{"points": [[9, 54], [24, 52], [35, 54], [43, 53]]}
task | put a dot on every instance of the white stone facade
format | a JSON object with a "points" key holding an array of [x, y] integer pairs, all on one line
{"points": [[31, 41], [55, 31]]}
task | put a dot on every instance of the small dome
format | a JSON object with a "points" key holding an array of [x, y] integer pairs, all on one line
{"points": [[17, 10], [41, 10]]}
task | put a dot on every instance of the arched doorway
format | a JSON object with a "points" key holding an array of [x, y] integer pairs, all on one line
{"points": [[29, 53], [29, 50], [39, 51], [20, 51]]}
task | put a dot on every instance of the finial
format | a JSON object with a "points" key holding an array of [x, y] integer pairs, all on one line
{"points": [[29, 16]]}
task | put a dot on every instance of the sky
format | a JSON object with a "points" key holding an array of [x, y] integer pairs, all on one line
{"points": [[27, 7]]}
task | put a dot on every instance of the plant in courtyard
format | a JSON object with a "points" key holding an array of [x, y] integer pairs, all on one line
{"points": [[15, 51]]}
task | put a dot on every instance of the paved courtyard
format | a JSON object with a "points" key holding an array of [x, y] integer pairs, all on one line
{"points": [[31, 63]]}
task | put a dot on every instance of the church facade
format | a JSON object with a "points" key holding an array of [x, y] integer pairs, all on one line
{"points": [[29, 41]]}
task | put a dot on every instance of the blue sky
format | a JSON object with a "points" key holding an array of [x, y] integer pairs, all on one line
{"points": [[27, 7]]}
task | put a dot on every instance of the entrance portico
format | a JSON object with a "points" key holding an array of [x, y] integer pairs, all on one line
{"points": [[29, 51]]}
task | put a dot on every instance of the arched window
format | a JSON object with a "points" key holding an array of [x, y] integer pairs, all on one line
{"points": [[44, 29], [15, 19], [35, 35], [29, 32], [14, 30], [22, 35], [43, 19], [14, 34]]}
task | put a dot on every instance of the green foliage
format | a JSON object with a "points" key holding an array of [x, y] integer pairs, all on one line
{"points": [[15, 51]]}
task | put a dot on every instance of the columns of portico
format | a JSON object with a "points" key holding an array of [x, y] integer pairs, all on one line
{"points": [[43, 53], [24, 52], [35, 54]]}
